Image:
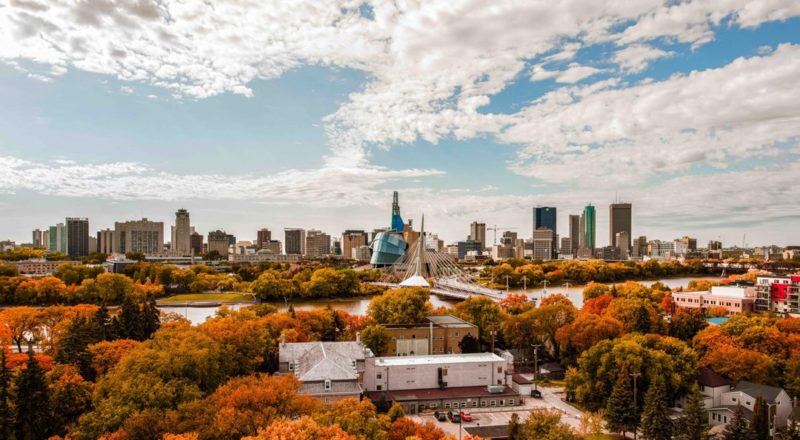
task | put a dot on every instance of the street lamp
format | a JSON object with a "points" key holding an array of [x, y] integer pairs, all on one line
{"points": [[525, 283], [544, 292]]}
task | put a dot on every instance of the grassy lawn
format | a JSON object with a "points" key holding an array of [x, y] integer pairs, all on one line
{"points": [[223, 297]]}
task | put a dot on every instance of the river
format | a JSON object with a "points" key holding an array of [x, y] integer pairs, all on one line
{"points": [[358, 306]]}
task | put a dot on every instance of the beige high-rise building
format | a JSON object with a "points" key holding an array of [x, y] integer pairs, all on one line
{"points": [[477, 232], [105, 241], [543, 244], [218, 241], [318, 244], [142, 236], [182, 233], [353, 239]]}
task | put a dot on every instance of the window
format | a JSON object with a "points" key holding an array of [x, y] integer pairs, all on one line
{"points": [[502, 402], [433, 405], [455, 405], [463, 404], [510, 402], [444, 371], [474, 403], [734, 399], [378, 387], [492, 403], [447, 404], [291, 366], [354, 363], [379, 376], [483, 404], [499, 369], [327, 385]]}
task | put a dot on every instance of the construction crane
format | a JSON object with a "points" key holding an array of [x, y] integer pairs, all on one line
{"points": [[497, 228]]}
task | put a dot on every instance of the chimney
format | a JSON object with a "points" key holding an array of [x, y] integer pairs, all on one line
{"points": [[358, 336]]}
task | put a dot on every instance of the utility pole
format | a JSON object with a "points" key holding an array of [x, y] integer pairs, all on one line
{"points": [[635, 406], [525, 283], [544, 292], [535, 363], [507, 283]]}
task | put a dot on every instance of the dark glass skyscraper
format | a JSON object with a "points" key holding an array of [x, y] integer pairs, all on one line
{"points": [[546, 217], [77, 230], [589, 224]]}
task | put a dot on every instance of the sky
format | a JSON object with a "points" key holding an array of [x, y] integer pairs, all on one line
{"points": [[309, 114]]}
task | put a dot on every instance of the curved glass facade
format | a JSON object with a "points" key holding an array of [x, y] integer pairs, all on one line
{"points": [[387, 248]]}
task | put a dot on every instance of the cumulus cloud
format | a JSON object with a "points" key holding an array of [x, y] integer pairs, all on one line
{"points": [[627, 135], [572, 74], [636, 57]]}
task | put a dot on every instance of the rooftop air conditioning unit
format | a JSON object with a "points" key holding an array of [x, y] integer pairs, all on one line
{"points": [[495, 389]]}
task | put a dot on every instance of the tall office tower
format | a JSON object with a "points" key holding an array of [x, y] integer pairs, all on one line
{"points": [[397, 222], [619, 220], [58, 239], [714, 245], [574, 232], [263, 236], [547, 217], [690, 244], [582, 232], [295, 241], [477, 232], [318, 244], [105, 241], [181, 241], [37, 241], [140, 236], [352, 239], [589, 224], [196, 243], [77, 230], [218, 241], [639, 247], [543, 244], [46, 239]]}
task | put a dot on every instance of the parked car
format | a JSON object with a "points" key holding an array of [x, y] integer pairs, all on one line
{"points": [[454, 417], [466, 416], [536, 393], [440, 416]]}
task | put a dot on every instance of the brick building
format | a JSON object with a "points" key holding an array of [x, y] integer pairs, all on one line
{"points": [[442, 334]]}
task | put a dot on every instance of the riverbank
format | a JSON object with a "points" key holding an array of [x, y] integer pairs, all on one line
{"points": [[205, 299]]}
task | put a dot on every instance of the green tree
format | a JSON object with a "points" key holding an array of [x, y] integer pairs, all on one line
{"points": [[32, 403], [546, 425], [686, 323], [791, 432], [130, 322], [396, 412], [739, 428], [593, 290], [469, 344], [481, 311], [72, 348], [693, 425], [376, 338], [620, 411], [642, 320], [656, 424], [761, 419]]}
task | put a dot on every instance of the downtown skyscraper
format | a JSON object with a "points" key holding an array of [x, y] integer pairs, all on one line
{"points": [[547, 217]]}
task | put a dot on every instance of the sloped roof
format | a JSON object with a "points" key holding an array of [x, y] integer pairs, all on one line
{"points": [[706, 376], [752, 389], [316, 361]]}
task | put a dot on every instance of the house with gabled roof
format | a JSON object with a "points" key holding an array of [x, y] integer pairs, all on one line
{"points": [[743, 396], [330, 371]]}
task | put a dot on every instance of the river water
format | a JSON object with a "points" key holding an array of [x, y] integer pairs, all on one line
{"points": [[358, 306]]}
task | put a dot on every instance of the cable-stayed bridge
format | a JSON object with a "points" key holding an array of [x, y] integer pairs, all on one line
{"points": [[422, 267]]}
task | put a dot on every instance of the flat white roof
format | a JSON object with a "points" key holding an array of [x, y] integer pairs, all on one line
{"points": [[438, 359]]}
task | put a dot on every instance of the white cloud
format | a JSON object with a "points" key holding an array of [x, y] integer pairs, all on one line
{"points": [[619, 136], [572, 74], [636, 57]]}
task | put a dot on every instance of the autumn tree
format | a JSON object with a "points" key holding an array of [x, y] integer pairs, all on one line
{"points": [[761, 422], [395, 412], [481, 311], [400, 306], [587, 330], [546, 424], [32, 403], [594, 290], [515, 428], [21, 322], [656, 424], [358, 418], [405, 428], [376, 338], [469, 344], [303, 428], [686, 323], [70, 397]]}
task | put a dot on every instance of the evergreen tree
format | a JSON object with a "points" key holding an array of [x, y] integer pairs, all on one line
{"points": [[656, 424], [694, 423], [105, 324], [620, 411], [791, 432], [642, 320], [72, 349], [515, 428], [6, 417], [761, 419], [739, 428], [152, 317], [129, 322], [32, 402], [395, 412], [469, 344]]}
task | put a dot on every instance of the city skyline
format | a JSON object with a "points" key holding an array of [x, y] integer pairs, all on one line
{"points": [[315, 128]]}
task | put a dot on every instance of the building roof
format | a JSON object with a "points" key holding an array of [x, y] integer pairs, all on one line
{"points": [[752, 389], [438, 394], [438, 359], [496, 432], [449, 321], [707, 377], [316, 361], [746, 413], [520, 379], [551, 367]]}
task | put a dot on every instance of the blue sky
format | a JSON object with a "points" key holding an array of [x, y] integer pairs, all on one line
{"points": [[311, 116]]}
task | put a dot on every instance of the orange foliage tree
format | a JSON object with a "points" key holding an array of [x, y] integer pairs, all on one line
{"points": [[303, 428]]}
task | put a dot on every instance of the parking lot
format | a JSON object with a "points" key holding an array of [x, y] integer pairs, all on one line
{"points": [[551, 399]]}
